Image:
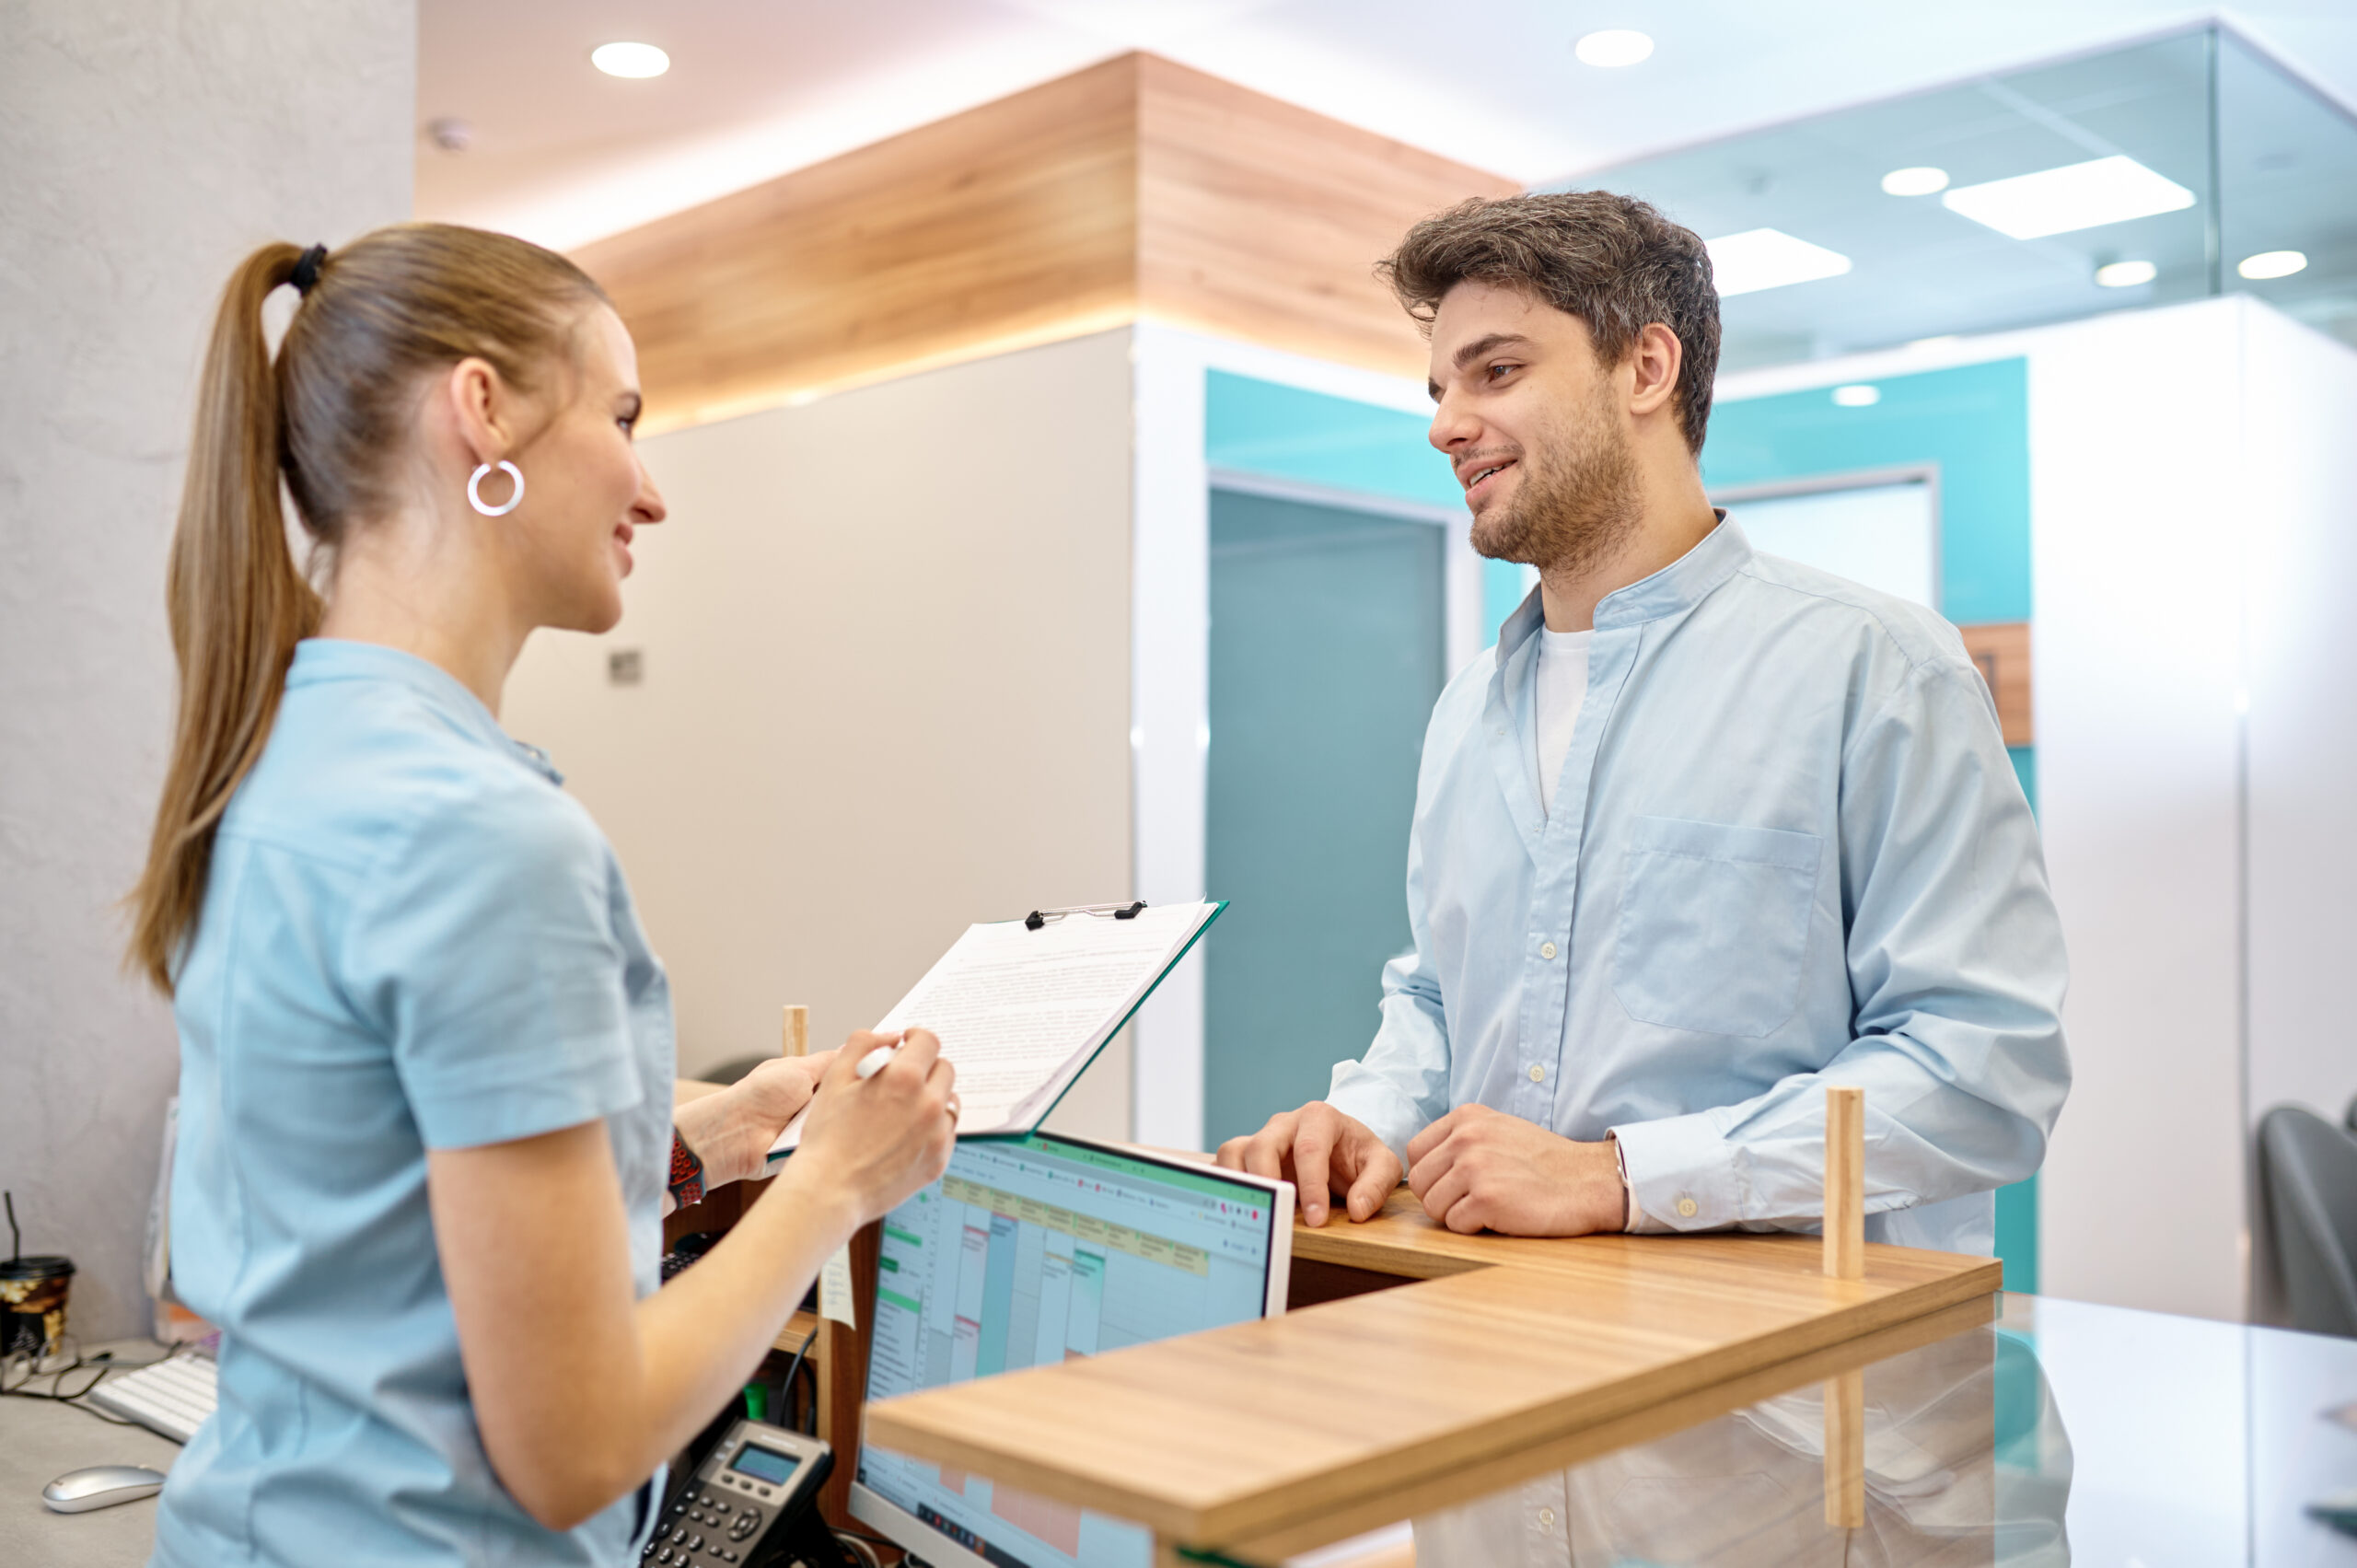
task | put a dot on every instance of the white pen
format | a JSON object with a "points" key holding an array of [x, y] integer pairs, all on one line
{"points": [[869, 1065]]}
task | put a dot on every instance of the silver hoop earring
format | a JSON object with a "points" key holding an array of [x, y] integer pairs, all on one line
{"points": [[474, 489]]}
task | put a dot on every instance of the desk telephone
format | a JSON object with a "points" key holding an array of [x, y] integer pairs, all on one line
{"points": [[749, 1501]]}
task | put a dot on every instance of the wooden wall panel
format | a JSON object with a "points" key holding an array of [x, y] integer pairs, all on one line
{"points": [[1014, 222], [2001, 650], [1263, 221], [1134, 185]]}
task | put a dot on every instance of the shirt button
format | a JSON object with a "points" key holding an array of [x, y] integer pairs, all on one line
{"points": [[1686, 1208], [1546, 1518], [1538, 1073], [1546, 949]]}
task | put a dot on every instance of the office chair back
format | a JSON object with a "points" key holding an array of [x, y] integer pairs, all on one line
{"points": [[2309, 1169]]}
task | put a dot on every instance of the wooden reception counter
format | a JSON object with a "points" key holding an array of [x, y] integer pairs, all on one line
{"points": [[1494, 1357]]}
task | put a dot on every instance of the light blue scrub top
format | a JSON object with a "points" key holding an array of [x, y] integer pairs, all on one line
{"points": [[1787, 850], [410, 938]]}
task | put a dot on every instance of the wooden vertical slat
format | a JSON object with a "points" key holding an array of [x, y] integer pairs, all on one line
{"points": [[1845, 1259], [1845, 1183], [843, 1378], [1845, 1450]]}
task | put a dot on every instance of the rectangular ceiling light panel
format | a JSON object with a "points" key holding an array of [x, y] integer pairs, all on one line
{"points": [[2078, 195], [1768, 258]]}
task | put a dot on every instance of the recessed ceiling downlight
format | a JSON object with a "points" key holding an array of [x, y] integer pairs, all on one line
{"points": [[1768, 258], [633, 59], [1613, 47], [2076, 196], [1919, 180], [2126, 274], [2272, 264]]}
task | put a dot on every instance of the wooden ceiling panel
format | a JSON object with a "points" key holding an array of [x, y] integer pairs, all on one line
{"points": [[1263, 221], [1009, 219], [1135, 186]]}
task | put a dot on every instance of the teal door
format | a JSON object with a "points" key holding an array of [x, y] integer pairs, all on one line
{"points": [[1327, 644]]}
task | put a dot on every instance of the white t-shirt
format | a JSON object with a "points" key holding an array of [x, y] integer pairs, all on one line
{"points": [[1562, 688]]}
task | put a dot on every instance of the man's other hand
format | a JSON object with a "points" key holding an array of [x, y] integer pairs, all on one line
{"points": [[1325, 1155], [1481, 1170]]}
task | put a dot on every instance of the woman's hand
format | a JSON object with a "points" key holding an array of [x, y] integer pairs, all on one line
{"points": [[731, 1132], [872, 1142]]}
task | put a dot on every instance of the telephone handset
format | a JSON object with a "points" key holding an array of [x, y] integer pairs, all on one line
{"points": [[743, 1501]]}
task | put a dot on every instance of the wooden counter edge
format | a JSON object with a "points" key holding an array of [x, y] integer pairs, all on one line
{"points": [[1444, 1489], [1265, 1510]]}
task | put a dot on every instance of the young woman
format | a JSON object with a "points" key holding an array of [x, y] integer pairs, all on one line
{"points": [[426, 1056]]}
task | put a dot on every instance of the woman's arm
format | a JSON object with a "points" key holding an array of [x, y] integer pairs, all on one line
{"points": [[580, 1391]]}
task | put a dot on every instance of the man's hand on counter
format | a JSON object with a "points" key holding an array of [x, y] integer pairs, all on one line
{"points": [[1325, 1155], [1481, 1170]]}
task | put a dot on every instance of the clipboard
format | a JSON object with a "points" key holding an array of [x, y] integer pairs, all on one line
{"points": [[1115, 912], [988, 957]]}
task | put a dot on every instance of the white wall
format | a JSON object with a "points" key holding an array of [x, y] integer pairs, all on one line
{"points": [[2134, 464], [142, 152], [2192, 470], [2298, 510], [886, 642]]}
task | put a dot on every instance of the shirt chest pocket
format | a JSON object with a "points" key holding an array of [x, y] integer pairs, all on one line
{"points": [[1714, 923]]}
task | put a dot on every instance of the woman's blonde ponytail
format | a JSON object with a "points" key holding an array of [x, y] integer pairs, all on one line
{"points": [[239, 604], [334, 417]]}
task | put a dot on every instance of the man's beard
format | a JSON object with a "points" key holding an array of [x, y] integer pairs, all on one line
{"points": [[1578, 503]]}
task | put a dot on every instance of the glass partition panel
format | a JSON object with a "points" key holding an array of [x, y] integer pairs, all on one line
{"points": [[2287, 158], [2062, 1431], [2138, 175]]}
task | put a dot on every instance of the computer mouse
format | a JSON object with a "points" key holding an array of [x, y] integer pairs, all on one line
{"points": [[100, 1486]]}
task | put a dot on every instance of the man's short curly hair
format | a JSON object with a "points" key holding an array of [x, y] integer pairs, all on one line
{"points": [[1613, 261]]}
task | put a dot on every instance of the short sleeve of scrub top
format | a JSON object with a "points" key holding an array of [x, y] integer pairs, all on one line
{"points": [[488, 955]]}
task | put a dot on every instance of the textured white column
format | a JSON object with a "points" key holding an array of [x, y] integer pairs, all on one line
{"points": [[143, 149], [2138, 495]]}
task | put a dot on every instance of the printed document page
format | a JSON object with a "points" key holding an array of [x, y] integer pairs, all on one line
{"points": [[1020, 1012]]}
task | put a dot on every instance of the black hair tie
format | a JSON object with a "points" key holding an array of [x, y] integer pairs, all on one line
{"points": [[306, 270]]}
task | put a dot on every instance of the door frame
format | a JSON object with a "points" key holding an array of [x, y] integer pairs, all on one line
{"points": [[1172, 479]]}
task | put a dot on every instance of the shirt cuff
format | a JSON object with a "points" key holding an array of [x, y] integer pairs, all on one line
{"points": [[1681, 1175], [1376, 1101]]}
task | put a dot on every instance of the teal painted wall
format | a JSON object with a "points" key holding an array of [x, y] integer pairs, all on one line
{"points": [[1327, 651], [1502, 591], [1973, 421], [1973, 424], [1285, 433], [1260, 427]]}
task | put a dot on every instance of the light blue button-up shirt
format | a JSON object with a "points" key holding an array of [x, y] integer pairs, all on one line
{"points": [[410, 938], [1787, 851]]}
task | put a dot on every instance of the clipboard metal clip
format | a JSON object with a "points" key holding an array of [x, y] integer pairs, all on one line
{"points": [[1038, 918]]}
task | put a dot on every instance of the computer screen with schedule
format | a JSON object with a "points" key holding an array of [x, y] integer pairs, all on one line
{"points": [[1037, 1250]]}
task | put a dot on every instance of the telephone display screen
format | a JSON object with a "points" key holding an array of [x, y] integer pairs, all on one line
{"points": [[765, 1464]]}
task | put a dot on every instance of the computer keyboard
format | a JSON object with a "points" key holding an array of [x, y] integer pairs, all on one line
{"points": [[172, 1396]]}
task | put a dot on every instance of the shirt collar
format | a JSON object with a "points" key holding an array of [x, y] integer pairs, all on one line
{"points": [[1678, 586], [319, 660]]}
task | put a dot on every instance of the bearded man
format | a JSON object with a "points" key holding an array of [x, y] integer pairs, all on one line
{"points": [[1706, 832]]}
